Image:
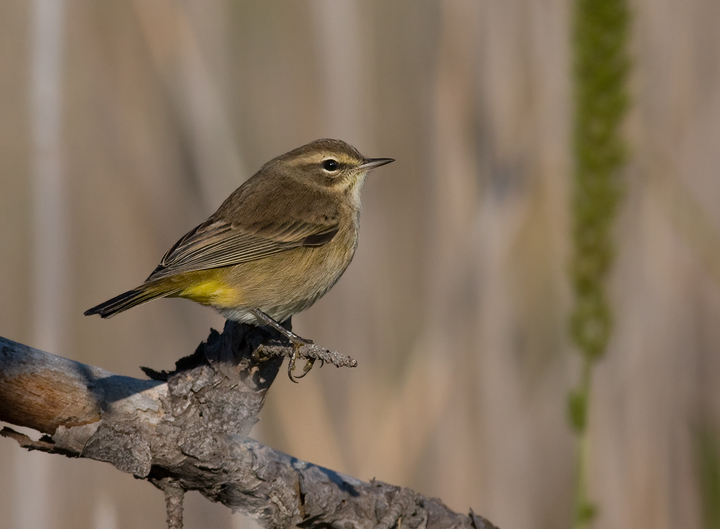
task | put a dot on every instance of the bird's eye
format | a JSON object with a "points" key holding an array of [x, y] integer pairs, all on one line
{"points": [[330, 165]]}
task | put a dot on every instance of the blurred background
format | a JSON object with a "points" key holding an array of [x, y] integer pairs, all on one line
{"points": [[125, 123]]}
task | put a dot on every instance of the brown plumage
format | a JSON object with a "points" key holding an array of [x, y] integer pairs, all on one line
{"points": [[276, 245]]}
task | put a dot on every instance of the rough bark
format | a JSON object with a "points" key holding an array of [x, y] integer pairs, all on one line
{"points": [[188, 430]]}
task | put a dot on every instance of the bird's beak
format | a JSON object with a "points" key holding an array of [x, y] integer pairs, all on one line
{"points": [[372, 163]]}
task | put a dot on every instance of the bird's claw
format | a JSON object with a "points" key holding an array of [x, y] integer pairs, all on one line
{"points": [[291, 363], [306, 368]]}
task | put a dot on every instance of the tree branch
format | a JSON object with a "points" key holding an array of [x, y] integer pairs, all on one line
{"points": [[188, 430]]}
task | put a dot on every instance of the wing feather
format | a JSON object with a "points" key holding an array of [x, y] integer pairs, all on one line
{"points": [[219, 243]]}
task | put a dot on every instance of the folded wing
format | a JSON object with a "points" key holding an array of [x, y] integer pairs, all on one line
{"points": [[217, 243]]}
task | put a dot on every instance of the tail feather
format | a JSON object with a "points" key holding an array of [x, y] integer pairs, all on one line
{"points": [[127, 300]]}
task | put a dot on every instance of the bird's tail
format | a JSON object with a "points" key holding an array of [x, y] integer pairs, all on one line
{"points": [[129, 299]]}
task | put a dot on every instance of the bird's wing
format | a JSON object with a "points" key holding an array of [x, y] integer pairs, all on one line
{"points": [[217, 243]]}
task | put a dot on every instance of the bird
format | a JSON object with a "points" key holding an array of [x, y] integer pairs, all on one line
{"points": [[276, 245]]}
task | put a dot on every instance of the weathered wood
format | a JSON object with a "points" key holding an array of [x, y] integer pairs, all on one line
{"points": [[189, 431], [43, 391]]}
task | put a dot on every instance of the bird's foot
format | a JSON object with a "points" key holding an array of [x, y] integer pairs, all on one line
{"points": [[297, 344], [301, 348]]}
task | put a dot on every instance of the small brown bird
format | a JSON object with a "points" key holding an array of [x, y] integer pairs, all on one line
{"points": [[274, 247]]}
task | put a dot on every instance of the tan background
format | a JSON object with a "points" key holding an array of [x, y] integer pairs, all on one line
{"points": [[457, 301]]}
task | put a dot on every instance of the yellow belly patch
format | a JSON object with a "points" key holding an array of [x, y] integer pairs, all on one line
{"points": [[209, 289]]}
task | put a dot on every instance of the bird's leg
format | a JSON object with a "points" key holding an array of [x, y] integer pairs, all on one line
{"points": [[296, 340], [268, 320]]}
